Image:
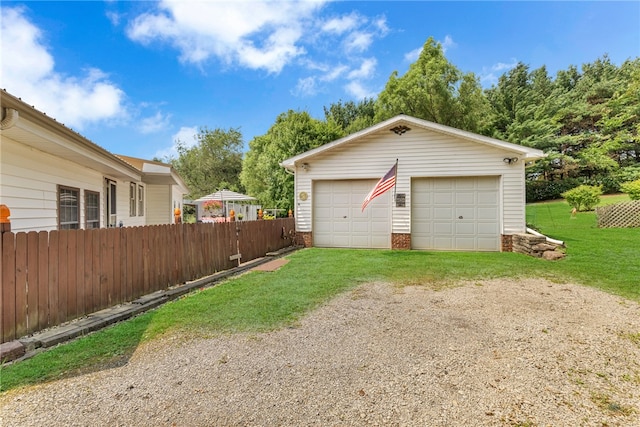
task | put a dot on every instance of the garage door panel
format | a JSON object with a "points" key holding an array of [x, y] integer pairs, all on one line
{"points": [[442, 198], [443, 184], [465, 228], [442, 228], [360, 227], [465, 198], [486, 244], [379, 228], [487, 198], [487, 228], [442, 213], [455, 213], [467, 214], [444, 243], [465, 243], [486, 183], [420, 198], [487, 214], [378, 213]]}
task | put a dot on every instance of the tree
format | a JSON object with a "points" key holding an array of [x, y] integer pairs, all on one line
{"points": [[434, 89], [213, 163], [351, 116], [292, 133]]}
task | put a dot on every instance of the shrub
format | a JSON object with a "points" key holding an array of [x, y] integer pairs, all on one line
{"points": [[584, 197], [538, 191], [632, 189]]}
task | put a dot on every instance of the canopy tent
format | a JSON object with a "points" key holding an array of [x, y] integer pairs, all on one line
{"points": [[226, 196], [230, 200]]}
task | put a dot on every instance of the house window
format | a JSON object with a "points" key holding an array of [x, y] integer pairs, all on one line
{"points": [[111, 211], [140, 200], [132, 199], [68, 208], [91, 209]]}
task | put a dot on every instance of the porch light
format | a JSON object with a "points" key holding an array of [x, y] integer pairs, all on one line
{"points": [[510, 160]]}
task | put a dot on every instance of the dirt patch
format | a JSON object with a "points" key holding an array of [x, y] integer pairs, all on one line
{"points": [[525, 353]]}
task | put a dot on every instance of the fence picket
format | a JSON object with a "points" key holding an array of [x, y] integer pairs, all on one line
{"points": [[43, 280]]}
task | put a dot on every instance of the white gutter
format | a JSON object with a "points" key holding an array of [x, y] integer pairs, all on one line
{"points": [[10, 118], [549, 239]]}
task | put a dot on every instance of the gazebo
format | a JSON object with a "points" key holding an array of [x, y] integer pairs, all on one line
{"points": [[229, 200]]}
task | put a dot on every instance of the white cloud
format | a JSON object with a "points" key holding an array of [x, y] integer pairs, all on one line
{"points": [[358, 91], [489, 76], [358, 41], [30, 75], [413, 55], [334, 73], [306, 87], [342, 24], [500, 66], [187, 136], [258, 35], [154, 124], [366, 70], [447, 43]]}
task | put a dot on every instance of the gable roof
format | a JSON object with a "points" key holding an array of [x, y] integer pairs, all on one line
{"points": [[155, 172], [525, 153], [227, 196], [29, 126]]}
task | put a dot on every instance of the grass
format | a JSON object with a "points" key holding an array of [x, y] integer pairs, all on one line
{"points": [[606, 258], [260, 301]]}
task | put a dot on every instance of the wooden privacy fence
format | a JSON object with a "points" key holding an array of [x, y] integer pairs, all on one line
{"points": [[49, 278]]}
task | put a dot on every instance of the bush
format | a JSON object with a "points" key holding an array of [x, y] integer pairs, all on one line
{"points": [[632, 189], [538, 191], [584, 197], [610, 183]]}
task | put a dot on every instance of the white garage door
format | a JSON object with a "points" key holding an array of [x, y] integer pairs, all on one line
{"points": [[338, 221], [455, 214]]}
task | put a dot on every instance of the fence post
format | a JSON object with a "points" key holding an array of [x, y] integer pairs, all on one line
{"points": [[7, 290], [5, 222]]}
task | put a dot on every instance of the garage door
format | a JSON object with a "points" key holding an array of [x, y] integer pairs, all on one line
{"points": [[455, 214], [338, 221]]}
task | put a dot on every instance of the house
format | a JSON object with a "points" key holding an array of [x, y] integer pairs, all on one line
{"points": [[455, 190], [52, 178]]}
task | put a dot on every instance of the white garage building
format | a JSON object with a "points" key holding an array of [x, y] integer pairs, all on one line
{"points": [[455, 190]]}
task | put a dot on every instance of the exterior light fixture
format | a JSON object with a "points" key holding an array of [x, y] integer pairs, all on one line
{"points": [[400, 129], [510, 160], [305, 166]]}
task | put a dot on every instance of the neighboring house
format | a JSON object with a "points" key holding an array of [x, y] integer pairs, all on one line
{"points": [[165, 190], [455, 190], [53, 178]]}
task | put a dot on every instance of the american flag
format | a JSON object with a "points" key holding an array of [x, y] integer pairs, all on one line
{"points": [[386, 183]]}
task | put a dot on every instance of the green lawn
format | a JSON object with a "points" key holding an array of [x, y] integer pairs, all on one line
{"points": [[258, 301]]}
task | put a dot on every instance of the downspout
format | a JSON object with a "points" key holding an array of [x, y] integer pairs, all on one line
{"points": [[10, 118]]}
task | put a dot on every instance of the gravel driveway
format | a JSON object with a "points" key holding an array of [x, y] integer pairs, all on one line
{"points": [[525, 353]]}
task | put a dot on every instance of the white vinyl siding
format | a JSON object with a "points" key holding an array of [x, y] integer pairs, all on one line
{"points": [[29, 181], [159, 208], [420, 153], [338, 219]]}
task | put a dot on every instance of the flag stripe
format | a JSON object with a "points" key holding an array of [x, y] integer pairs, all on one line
{"points": [[386, 183]]}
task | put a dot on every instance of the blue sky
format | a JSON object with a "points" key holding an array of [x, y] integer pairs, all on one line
{"points": [[134, 77]]}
